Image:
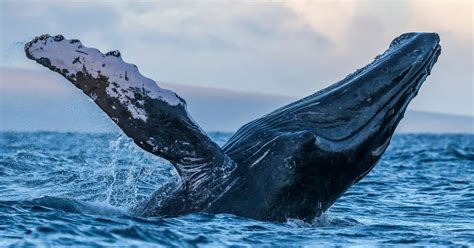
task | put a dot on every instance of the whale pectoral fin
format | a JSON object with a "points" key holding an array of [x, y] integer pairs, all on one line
{"points": [[155, 118]]}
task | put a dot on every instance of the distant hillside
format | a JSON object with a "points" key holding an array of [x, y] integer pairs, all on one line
{"points": [[428, 122], [224, 110], [40, 100]]}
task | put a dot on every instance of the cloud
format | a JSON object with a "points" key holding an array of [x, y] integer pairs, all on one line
{"points": [[339, 18], [288, 48]]}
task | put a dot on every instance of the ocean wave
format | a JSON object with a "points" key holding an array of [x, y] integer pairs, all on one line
{"points": [[68, 189]]}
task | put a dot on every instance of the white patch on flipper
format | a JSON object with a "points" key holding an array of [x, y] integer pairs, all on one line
{"points": [[124, 79]]}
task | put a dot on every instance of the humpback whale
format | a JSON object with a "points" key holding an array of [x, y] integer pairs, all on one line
{"points": [[294, 162]]}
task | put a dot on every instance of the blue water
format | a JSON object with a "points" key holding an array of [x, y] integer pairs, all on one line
{"points": [[75, 189]]}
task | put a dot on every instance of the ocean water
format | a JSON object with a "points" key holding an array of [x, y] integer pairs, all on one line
{"points": [[75, 189]]}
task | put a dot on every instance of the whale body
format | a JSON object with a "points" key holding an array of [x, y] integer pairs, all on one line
{"points": [[294, 162]]}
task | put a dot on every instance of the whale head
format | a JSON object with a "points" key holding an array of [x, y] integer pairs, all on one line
{"points": [[298, 160], [365, 108], [362, 112]]}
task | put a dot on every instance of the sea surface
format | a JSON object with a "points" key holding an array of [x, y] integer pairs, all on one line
{"points": [[75, 189]]}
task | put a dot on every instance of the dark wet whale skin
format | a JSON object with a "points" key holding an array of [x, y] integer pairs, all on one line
{"points": [[292, 163]]}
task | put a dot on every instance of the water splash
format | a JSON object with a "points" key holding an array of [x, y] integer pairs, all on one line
{"points": [[112, 166]]}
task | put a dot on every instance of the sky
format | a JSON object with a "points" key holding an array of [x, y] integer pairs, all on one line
{"points": [[242, 56]]}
